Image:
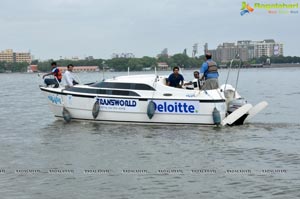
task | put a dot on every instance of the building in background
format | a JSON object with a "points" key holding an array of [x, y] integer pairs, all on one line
{"points": [[89, 58], [10, 56], [246, 50], [80, 68], [7, 55], [195, 50], [249, 45], [268, 47], [162, 66], [227, 51], [164, 53], [122, 55], [32, 68]]}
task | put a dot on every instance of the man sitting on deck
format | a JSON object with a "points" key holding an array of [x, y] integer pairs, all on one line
{"points": [[69, 77], [195, 84], [175, 79], [57, 76]]}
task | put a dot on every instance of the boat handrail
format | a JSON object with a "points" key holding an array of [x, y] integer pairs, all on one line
{"points": [[237, 58]]}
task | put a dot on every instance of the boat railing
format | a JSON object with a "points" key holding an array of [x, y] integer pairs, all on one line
{"points": [[237, 58]]}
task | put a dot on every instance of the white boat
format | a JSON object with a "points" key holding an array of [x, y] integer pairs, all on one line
{"points": [[148, 99]]}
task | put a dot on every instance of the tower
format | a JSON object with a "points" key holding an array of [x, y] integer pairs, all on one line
{"points": [[195, 49], [205, 48]]}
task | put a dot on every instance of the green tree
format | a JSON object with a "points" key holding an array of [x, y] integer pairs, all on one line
{"points": [[148, 62], [2, 67], [181, 60], [119, 64]]}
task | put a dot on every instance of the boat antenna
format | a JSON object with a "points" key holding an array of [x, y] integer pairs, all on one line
{"points": [[181, 69], [228, 74], [238, 74], [237, 58]]}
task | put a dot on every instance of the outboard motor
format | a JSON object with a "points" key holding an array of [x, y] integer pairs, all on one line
{"points": [[235, 104]]}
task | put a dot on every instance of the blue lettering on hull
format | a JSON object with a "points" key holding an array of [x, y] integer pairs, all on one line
{"points": [[54, 99], [174, 107], [117, 102]]}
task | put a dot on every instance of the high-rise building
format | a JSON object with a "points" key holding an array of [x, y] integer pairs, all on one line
{"points": [[247, 49], [227, 51], [268, 47], [10, 56], [7, 55], [205, 48], [249, 45]]}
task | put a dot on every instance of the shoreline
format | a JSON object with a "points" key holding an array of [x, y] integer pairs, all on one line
{"points": [[264, 66]]}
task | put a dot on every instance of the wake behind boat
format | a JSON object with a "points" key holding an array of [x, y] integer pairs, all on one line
{"points": [[148, 99]]}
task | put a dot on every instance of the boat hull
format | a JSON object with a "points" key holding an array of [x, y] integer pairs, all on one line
{"points": [[134, 110]]}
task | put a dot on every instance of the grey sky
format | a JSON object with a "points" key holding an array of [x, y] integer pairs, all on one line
{"points": [[53, 28]]}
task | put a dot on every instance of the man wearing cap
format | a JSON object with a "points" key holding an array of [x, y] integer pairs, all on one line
{"points": [[209, 72]]}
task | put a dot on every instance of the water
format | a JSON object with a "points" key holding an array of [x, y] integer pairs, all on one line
{"points": [[41, 157]]}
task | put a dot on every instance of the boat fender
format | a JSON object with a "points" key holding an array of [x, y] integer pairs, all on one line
{"points": [[66, 115], [151, 109], [216, 116], [96, 110]]}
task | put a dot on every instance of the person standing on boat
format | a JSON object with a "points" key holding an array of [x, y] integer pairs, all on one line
{"points": [[57, 76], [175, 79], [69, 77], [209, 72]]}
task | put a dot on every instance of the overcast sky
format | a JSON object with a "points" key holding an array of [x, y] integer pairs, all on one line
{"points": [[54, 28]]}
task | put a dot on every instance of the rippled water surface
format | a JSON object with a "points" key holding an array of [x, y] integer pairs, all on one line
{"points": [[41, 157]]}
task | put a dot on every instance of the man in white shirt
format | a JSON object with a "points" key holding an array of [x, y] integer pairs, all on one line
{"points": [[196, 83], [69, 77]]}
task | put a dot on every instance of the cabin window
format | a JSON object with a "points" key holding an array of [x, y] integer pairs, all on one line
{"points": [[131, 86], [102, 91]]}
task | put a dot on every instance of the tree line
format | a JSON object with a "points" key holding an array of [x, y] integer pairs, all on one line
{"points": [[136, 64], [122, 64], [277, 59], [13, 67]]}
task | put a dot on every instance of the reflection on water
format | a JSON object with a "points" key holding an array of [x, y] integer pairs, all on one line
{"points": [[260, 159]]}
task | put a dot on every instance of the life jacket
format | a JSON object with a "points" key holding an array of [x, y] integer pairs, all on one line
{"points": [[212, 67], [58, 75]]}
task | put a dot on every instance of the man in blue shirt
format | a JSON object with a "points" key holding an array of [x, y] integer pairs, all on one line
{"points": [[209, 72], [175, 79]]}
